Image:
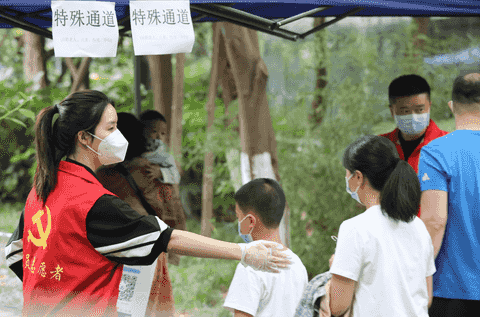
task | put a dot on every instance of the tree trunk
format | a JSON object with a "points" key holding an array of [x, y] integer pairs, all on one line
{"points": [[34, 59], [229, 94], [259, 152], [162, 83], [177, 109], [177, 117], [207, 190], [321, 57], [79, 73], [419, 42]]}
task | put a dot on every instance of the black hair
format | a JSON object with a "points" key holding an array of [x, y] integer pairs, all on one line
{"points": [[407, 85], [377, 158], [132, 130], [151, 115], [80, 111], [265, 197], [466, 91]]}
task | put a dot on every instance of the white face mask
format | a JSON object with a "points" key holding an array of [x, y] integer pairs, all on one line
{"points": [[412, 123], [112, 149], [353, 194], [246, 237]]}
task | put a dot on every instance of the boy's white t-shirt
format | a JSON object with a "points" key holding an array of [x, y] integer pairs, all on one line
{"points": [[389, 260], [264, 294]]}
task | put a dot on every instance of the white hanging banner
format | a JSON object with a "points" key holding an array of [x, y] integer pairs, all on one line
{"points": [[161, 27], [84, 29]]}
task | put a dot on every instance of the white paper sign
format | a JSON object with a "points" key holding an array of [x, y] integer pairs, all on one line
{"points": [[84, 29], [161, 27], [135, 289]]}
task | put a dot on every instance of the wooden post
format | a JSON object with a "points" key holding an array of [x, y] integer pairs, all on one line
{"points": [[137, 75], [207, 191], [177, 109]]}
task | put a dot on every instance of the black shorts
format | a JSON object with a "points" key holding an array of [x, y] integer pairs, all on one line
{"points": [[446, 307]]}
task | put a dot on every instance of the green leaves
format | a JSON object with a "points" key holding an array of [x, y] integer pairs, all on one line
{"points": [[27, 113]]}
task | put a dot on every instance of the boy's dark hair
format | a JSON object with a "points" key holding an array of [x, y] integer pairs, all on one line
{"points": [[466, 92], [407, 85], [377, 158], [151, 115], [265, 197]]}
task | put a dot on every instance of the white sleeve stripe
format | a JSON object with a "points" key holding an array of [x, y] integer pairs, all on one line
{"points": [[130, 244], [163, 226], [18, 257], [13, 248], [138, 250], [131, 253]]}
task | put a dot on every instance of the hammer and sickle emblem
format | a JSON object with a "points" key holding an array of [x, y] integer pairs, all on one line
{"points": [[42, 241]]}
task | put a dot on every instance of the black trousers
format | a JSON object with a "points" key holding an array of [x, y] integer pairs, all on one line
{"points": [[446, 307]]}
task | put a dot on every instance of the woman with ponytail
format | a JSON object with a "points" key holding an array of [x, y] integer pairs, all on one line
{"points": [[383, 263], [74, 235]]}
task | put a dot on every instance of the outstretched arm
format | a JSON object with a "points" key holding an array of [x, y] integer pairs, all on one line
{"points": [[262, 256], [192, 244]]}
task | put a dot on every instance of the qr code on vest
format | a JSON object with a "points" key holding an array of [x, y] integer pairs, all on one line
{"points": [[127, 286]]}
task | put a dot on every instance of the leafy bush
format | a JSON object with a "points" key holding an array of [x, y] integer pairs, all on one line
{"points": [[207, 279]]}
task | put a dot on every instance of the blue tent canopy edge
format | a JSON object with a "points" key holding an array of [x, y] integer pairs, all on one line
{"points": [[261, 15]]}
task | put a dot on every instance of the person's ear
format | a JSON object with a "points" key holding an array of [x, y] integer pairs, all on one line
{"points": [[252, 221], [84, 138], [359, 175], [391, 110]]}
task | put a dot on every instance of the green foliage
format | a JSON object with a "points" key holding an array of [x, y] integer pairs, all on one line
{"points": [[198, 284], [18, 107], [9, 216]]}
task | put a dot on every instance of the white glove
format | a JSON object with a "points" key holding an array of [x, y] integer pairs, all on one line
{"points": [[263, 257]]}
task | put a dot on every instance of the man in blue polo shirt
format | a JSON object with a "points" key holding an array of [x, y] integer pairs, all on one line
{"points": [[449, 173]]}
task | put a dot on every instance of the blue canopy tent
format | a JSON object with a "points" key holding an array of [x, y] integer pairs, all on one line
{"points": [[261, 15]]}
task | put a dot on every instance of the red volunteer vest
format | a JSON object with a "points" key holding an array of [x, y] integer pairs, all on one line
{"points": [[62, 272], [432, 132]]}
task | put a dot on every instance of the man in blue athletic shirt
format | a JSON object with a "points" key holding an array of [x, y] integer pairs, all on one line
{"points": [[449, 173]]}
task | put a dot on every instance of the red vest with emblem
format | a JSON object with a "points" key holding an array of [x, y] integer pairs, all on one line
{"points": [[432, 132], [63, 274]]}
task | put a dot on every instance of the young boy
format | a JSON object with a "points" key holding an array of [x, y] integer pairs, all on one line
{"points": [[259, 208], [155, 131]]}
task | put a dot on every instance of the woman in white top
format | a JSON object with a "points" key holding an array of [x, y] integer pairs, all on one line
{"points": [[383, 263]]}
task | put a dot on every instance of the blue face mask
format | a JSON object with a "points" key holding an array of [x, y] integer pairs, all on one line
{"points": [[246, 237], [412, 123], [353, 194]]}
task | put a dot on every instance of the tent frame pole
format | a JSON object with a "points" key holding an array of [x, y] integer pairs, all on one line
{"points": [[6, 18], [299, 16], [239, 21], [324, 25], [137, 77]]}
